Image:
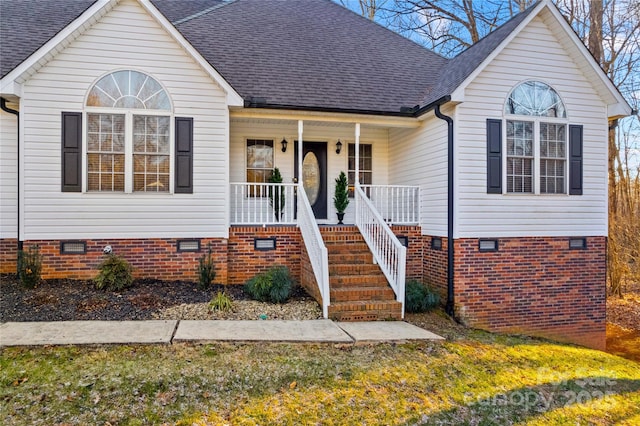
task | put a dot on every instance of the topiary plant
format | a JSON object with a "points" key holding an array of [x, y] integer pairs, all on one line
{"points": [[341, 196], [419, 298], [114, 274], [276, 194]]}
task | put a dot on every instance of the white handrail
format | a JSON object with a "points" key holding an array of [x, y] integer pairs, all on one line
{"points": [[397, 204], [316, 250], [387, 250], [262, 203]]}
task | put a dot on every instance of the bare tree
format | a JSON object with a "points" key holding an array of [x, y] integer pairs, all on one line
{"points": [[368, 8]]}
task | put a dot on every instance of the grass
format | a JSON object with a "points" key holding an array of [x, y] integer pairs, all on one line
{"points": [[478, 379]]}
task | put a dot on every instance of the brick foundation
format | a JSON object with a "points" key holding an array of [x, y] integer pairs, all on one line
{"points": [[434, 264], [245, 261], [534, 286], [8, 255], [151, 258], [414, 250]]}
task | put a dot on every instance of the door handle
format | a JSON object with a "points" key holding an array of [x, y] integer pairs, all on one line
{"points": [[295, 180]]}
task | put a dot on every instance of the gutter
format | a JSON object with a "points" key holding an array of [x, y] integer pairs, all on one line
{"points": [[449, 307], [3, 106]]}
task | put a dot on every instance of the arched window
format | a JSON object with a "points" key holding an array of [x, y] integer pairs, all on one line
{"points": [[535, 98], [128, 134], [536, 140], [128, 89]]}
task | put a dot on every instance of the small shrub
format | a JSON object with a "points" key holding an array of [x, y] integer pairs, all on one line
{"points": [[29, 266], [206, 270], [272, 286], [221, 302], [419, 298], [114, 274]]}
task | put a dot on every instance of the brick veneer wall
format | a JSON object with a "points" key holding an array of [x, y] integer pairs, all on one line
{"points": [[434, 263], [8, 255], [534, 286], [245, 261], [414, 250], [151, 258]]}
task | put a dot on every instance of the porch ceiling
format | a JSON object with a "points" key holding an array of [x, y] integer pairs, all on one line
{"points": [[327, 119]]}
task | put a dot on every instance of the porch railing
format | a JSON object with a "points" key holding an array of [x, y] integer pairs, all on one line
{"points": [[387, 250], [262, 203], [397, 204], [317, 251]]}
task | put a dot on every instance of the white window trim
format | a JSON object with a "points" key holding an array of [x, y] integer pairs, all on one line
{"points": [[261, 138], [128, 148], [536, 120]]}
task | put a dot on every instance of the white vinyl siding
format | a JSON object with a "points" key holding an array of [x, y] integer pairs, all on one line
{"points": [[8, 173], [419, 157], [534, 54], [125, 38], [243, 129]]}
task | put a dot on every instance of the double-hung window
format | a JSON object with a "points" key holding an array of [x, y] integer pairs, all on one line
{"points": [[536, 140], [366, 165], [128, 130], [259, 164]]}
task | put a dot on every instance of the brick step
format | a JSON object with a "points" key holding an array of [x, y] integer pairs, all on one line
{"points": [[365, 311], [346, 268], [342, 281], [350, 258], [347, 248], [361, 294]]}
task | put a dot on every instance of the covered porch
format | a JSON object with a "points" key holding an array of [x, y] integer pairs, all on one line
{"points": [[264, 144]]}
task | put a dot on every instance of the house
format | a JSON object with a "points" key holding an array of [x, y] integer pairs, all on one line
{"points": [[154, 126]]}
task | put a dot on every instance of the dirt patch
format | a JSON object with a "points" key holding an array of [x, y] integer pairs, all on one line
{"points": [[623, 323]]}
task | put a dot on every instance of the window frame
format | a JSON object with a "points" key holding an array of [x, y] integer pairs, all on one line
{"points": [[536, 120], [351, 186], [537, 158], [128, 148], [246, 156]]}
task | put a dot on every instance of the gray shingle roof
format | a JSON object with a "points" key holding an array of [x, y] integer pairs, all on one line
{"points": [[26, 25], [307, 54]]}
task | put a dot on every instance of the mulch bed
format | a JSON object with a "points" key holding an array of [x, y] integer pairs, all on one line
{"points": [[69, 300]]}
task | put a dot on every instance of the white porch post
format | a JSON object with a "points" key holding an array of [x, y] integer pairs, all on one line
{"points": [[356, 179], [300, 127]]}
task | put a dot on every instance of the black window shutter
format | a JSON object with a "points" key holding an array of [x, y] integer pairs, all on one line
{"points": [[575, 159], [184, 156], [494, 156], [71, 152]]}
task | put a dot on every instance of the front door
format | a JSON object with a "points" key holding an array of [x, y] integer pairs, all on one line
{"points": [[314, 175]]}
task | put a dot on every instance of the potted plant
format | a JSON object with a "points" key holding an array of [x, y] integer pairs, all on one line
{"points": [[341, 197], [276, 194]]}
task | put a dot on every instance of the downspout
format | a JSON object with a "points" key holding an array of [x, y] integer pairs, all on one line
{"points": [[449, 307], [3, 106]]}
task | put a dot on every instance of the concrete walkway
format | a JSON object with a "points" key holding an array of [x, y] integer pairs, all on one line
{"points": [[148, 332]]}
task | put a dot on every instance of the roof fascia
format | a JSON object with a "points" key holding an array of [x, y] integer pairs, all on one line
{"points": [[616, 109], [233, 97], [325, 116], [9, 83]]}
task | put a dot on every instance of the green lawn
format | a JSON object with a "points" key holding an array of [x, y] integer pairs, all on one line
{"points": [[478, 379]]}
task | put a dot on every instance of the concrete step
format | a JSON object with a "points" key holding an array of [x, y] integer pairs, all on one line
{"points": [[366, 311], [358, 294]]}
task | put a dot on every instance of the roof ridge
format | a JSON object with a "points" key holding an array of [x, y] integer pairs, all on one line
{"points": [[202, 12]]}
